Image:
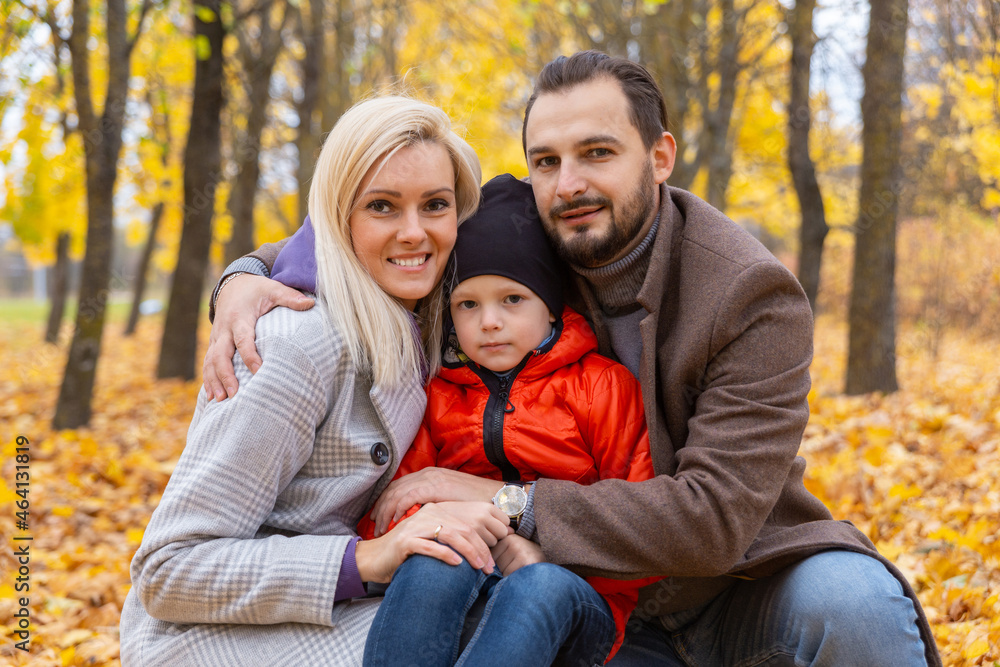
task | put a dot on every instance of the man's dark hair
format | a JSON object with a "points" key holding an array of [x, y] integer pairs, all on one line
{"points": [[646, 108]]}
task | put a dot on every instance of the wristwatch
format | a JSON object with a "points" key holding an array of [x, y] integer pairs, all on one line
{"points": [[511, 499]]}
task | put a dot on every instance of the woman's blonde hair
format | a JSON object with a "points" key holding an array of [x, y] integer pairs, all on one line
{"points": [[377, 329]]}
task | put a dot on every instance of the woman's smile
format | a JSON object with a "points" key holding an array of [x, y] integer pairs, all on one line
{"points": [[404, 221]]}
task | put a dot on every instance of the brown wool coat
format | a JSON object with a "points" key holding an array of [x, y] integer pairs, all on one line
{"points": [[726, 349]]}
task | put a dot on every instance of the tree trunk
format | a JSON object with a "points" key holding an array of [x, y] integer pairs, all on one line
{"points": [[813, 230], [718, 120], [58, 289], [338, 98], [311, 128], [102, 140], [389, 47], [140, 276], [202, 173], [687, 57], [665, 37], [871, 362], [606, 26], [257, 68], [241, 200], [73, 408]]}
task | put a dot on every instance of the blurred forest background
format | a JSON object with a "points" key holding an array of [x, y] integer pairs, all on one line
{"points": [[146, 143]]}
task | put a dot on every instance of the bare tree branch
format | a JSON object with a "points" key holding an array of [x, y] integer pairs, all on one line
{"points": [[262, 8], [143, 10]]}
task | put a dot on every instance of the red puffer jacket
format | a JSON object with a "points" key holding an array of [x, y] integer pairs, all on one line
{"points": [[567, 414]]}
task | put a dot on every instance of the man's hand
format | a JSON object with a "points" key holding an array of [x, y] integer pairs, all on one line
{"points": [[429, 485], [514, 552], [467, 530], [237, 310]]}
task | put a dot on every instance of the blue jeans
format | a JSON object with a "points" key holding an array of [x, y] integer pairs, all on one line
{"points": [[833, 608], [541, 614]]}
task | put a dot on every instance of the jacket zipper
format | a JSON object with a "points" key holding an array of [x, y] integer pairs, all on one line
{"points": [[497, 407]]}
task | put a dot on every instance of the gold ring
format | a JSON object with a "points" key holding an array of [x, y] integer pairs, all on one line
{"points": [[437, 531]]}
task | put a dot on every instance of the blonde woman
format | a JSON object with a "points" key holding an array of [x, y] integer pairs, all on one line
{"points": [[251, 556]]}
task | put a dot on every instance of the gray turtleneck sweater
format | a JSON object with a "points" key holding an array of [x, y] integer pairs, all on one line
{"points": [[615, 287]]}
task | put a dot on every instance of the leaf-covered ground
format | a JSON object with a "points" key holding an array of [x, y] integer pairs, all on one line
{"points": [[917, 471]]}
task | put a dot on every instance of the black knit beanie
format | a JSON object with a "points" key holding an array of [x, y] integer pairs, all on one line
{"points": [[505, 238]]}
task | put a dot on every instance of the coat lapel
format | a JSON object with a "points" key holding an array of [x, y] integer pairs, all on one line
{"points": [[400, 409], [660, 302]]}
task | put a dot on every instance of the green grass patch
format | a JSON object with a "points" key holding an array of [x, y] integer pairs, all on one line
{"points": [[29, 311]]}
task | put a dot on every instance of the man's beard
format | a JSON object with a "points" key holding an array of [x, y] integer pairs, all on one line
{"points": [[583, 249]]}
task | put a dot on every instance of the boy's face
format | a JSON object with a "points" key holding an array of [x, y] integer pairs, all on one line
{"points": [[498, 321]]}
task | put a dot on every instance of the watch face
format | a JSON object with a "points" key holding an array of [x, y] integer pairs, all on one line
{"points": [[512, 500]]}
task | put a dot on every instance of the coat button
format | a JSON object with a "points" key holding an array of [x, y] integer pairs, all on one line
{"points": [[380, 453]]}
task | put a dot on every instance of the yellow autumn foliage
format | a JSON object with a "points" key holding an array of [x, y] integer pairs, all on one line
{"points": [[915, 471]]}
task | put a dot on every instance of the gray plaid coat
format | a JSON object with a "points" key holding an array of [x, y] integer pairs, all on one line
{"points": [[239, 563]]}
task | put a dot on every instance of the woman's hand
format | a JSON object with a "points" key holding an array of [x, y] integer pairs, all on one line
{"points": [[514, 552], [429, 485], [244, 300], [467, 529]]}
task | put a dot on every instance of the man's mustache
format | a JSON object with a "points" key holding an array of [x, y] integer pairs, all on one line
{"points": [[582, 202]]}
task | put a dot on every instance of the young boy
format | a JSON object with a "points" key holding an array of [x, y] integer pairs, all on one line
{"points": [[522, 395]]}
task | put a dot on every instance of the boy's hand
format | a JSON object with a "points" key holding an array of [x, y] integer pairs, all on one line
{"points": [[514, 552], [429, 485]]}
